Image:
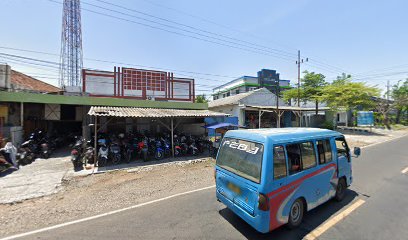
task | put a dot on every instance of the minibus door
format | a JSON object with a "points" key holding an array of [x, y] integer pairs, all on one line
{"points": [[343, 158], [280, 171], [246, 198]]}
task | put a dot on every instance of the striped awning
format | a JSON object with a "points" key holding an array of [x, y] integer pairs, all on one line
{"points": [[134, 112]]}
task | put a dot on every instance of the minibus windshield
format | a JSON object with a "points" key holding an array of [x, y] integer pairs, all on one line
{"points": [[241, 157]]}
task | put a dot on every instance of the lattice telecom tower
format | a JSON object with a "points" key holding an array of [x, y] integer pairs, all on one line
{"points": [[71, 45]]}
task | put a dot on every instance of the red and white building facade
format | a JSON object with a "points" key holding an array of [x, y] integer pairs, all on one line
{"points": [[138, 84]]}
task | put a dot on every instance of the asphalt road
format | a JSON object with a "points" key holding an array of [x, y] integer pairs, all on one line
{"points": [[377, 180]]}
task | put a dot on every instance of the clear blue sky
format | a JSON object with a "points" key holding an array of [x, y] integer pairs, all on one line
{"points": [[365, 38]]}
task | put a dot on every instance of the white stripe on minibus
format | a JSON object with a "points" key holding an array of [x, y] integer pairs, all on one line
{"points": [[332, 221], [103, 214]]}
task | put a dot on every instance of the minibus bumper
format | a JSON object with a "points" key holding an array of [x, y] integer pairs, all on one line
{"points": [[260, 221]]}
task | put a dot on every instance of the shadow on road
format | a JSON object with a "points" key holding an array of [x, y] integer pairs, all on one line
{"points": [[7, 171], [311, 221]]}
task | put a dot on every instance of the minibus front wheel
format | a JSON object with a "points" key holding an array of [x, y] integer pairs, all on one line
{"points": [[340, 190], [296, 213]]}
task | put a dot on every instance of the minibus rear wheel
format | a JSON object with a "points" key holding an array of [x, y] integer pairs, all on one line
{"points": [[296, 214], [340, 190]]}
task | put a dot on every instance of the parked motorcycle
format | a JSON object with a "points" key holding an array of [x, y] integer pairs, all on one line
{"points": [[158, 151], [45, 150], [128, 151], [177, 147], [143, 149], [103, 154], [192, 149], [6, 161], [88, 156], [167, 148], [115, 153], [4, 164], [27, 152], [76, 152]]}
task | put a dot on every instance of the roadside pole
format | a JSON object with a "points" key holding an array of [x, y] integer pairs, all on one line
{"points": [[298, 62], [172, 137], [96, 141]]}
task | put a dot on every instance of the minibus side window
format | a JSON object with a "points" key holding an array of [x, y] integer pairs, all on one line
{"points": [[279, 162], [294, 160], [324, 151], [308, 155], [342, 148]]}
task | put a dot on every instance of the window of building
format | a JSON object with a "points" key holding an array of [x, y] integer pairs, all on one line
{"points": [[324, 151], [279, 162], [237, 91], [223, 95], [228, 94], [308, 155]]}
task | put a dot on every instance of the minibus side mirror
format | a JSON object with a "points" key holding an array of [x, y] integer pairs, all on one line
{"points": [[357, 151]]}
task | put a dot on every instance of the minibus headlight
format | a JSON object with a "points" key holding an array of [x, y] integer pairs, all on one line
{"points": [[263, 202]]}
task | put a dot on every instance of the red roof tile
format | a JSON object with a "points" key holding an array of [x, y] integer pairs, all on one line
{"points": [[22, 81]]}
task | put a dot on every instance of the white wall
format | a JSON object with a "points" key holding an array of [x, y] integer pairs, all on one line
{"points": [[233, 110], [5, 76], [181, 90], [262, 97], [99, 85]]}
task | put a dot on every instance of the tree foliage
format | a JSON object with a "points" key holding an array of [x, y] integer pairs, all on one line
{"points": [[399, 94], [310, 90], [343, 93], [201, 99]]}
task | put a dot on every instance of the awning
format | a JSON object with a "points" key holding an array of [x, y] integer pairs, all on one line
{"points": [[287, 108], [220, 125], [150, 112]]}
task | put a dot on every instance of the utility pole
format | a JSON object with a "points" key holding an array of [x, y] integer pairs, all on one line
{"points": [[298, 62], [277, 103]]}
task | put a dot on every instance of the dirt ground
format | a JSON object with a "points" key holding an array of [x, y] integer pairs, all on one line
{"points": [[361, 139], [94, 194]]}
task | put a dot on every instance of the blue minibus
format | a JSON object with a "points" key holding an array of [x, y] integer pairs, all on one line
{"points": [[272, 177]]}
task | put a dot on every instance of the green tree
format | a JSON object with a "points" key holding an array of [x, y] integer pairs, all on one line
{"points": [[399, 94], [201, 99], [343, 93], [310, 89], [313, 84], [292, 94]]}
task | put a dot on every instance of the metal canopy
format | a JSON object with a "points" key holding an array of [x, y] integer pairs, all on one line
{"points": [[287, 108], [150, 112], [221, 125]]}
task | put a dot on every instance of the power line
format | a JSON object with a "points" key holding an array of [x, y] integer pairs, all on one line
{"points": [[123, 63], [217, 42], [33, 59], [188, 26], [241, 32]]}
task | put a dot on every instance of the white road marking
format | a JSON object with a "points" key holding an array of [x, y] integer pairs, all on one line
{"points": [[405, 170], [332, 221], [103, 214]]}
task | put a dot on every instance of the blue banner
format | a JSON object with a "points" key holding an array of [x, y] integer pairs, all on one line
{"points": [[365, 118]]}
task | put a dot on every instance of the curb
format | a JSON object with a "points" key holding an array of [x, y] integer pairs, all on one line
{"points": [[149, 167]]}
